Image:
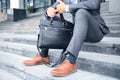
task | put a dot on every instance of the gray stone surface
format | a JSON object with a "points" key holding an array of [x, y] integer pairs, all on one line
{"points": [[86, 61], [116, 4], [43, 72], [114, 33], [106, 41], [108, 13], [104, 7], [88, 55], [90, 61], [7, 76], [108, 45]]}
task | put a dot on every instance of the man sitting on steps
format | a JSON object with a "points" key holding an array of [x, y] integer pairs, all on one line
{"points": [[88, 27]]}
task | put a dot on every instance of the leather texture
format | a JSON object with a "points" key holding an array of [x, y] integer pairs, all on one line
{"points": [[36, 60], [56, 35], [64, 69]]}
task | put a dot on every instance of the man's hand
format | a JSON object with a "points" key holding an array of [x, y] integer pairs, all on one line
{"points": [[51, 12], [61, 7]]}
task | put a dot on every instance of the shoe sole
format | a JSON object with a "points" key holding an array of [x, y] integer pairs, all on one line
{"points": [[58, 75], [35, 64]]}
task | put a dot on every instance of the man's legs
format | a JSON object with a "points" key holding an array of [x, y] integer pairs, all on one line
{"points": [[86, 29], [44, 52]]}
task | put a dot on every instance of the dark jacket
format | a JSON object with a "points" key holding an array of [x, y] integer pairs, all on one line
{"points": [[93, 6]]}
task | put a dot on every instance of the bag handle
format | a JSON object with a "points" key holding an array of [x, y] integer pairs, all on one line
{"points": [[61, 16]]}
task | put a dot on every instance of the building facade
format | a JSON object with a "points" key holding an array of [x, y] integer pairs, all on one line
{"points": [[6, 6], [0, 5]]}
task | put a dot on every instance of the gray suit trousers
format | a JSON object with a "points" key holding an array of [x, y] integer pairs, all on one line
{"points": [[86, 29]]}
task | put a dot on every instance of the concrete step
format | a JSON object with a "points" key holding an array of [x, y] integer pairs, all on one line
{"points": [[96, 63], [35, 29], [108, 13], [108, 17], [19, 38], [90, 61], [28, 21], [25, 26], [18, 48], [111, 18], [105, 6], [114, 33], [114, 27], [7, 76], [113, 30], [30, 26], [111, 25], [114, 23], [108, 45], [41, 72], [19, 32]]}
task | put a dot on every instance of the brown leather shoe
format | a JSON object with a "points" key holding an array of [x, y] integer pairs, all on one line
{"points": [[37, 60], [64, 69]]}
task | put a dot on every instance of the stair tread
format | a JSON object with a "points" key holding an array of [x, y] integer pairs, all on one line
{"points": [[96, 57], [83, 54], [106, 41], [108, 13], [100, 57], [111, 16], [7, 76], [18, 46], [42, 71], [113, 24], [19, 36]]}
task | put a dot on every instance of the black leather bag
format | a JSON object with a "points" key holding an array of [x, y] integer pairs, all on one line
{"points": [[54, 34]]}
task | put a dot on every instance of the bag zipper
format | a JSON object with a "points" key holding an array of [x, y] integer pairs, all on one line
{"points": [[46, 28]]}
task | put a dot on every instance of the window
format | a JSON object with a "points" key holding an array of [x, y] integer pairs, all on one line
{"points": [[5, 4]]}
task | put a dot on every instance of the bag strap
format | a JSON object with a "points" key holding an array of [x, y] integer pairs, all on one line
{"points": [[59, 61]]}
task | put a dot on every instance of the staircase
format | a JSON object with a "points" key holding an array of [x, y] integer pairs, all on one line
{"points": [[96, 61]]}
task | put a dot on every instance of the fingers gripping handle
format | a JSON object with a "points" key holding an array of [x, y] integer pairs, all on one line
{"points": [[61, 15], [51, 19]]}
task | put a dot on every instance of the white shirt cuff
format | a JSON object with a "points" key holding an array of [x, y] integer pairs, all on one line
{"points": [[67, 8]]}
